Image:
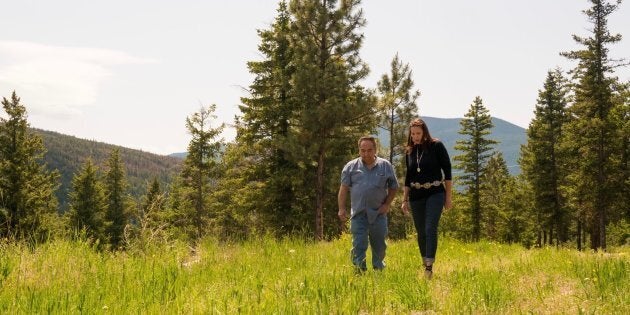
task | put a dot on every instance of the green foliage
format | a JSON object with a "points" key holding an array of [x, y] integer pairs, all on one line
{"points": [[260, 187], [495, 182], [591, 136], [66, 153], [88, 205], [293, 276], [200, 168], [543, 159], [150, 223], [397, 107], [27, 202], [334, 110], [119, 202], [476, 148]]}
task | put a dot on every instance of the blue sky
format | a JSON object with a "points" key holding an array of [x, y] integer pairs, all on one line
{"points": [[130, 72]]}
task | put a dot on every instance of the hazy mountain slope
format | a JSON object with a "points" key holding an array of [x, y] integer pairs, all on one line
{"points": [[67, 155]]}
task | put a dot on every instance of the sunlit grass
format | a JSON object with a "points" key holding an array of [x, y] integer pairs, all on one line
{"points": [[299, 277]]}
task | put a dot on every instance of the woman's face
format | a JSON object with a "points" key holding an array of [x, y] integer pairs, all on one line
{"points": [[416, 134]]}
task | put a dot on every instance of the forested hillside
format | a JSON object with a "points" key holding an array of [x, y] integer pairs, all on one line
{"points": [[67, 154]]}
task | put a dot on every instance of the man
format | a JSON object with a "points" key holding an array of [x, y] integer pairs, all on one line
{"points": [[372, 184]]}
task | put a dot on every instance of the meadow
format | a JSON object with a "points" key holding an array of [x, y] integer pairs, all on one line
{"points": [[292, 276]]}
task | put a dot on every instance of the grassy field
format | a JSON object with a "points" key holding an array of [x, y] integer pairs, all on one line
{"points": [[299, 277]]}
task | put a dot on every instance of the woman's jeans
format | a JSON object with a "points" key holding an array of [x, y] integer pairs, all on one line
{"points": [[362, 231], [426, 214]]}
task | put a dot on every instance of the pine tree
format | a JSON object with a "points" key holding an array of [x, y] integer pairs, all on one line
{"points": [[515, 224], [27, 201], [542, 159], [495, 181], [621, 118], [200, 166], [476, 148], [153, 197], [397, 106], [264, 128], [87, 204], [334, 110], [592, 129], [117, 199]]}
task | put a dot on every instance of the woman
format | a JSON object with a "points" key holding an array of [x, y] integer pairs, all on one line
{"points": [[428, 188]]}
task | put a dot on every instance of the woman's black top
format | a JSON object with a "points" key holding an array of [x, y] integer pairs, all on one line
{"points": [[434, 164]]}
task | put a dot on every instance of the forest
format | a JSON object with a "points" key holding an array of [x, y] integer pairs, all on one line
{"points": [[298, 125]]}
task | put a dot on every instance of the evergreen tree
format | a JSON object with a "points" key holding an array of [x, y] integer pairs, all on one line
{"points": [[334, 110], [117, 199], [621, 118], [87, 204], [240, 192], [476, 148], [150, 222], [542, 159], [153, 197], [593, 129], [27, 202], [397, 106], [515, 222], [200, 166], [268, 117], [495, 183]]}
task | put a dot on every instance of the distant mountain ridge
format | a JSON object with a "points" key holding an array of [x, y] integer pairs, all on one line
{"points": [[68, 153], [509, 135]]}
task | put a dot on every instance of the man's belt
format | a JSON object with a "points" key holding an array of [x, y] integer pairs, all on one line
{"points": [[426, 185]]}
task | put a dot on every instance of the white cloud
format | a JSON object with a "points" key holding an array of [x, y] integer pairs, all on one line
{"points": [[56, 80]]}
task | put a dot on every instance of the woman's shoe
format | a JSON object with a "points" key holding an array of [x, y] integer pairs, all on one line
{"points": [[428, 272]]}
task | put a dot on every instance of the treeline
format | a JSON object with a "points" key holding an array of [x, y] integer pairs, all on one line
{"points": [[299, 124]]}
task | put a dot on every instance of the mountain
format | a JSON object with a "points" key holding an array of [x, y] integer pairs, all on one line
{"points": [[67, 155], [510, 137]]}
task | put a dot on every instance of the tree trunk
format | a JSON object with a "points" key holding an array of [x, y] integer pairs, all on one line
{"points": [[319, 217]]}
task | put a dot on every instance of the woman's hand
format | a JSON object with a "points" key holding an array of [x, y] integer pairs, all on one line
{"points": [[448, 203], [405, 207]]}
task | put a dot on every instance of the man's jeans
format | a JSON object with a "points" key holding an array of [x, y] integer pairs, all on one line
{"points": [[426, 216], [375, 232]]}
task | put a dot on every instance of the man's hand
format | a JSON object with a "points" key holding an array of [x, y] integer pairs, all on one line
{"points": [[383, 209], [342, 215]]}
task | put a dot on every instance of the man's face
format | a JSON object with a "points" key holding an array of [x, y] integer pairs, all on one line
{"points": [[367, 151]]}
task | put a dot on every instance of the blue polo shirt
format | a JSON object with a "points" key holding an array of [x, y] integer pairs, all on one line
{"points": [[368, 187]]}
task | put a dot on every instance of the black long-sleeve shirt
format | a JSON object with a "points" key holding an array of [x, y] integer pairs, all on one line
{"points": [[434, 164]]}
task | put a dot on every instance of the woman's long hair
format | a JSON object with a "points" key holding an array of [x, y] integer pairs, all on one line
{"points": [[426, 140]]}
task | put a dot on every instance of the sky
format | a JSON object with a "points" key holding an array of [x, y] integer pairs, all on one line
{"points": [[129, 72]]}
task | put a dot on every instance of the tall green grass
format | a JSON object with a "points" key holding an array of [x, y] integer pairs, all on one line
{"points": [[299, 277]]}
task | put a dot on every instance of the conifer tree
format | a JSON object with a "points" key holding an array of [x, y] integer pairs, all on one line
{"points": [[397, 106], [264, 129], [621, 118], [200, 166], [542, 159], [515, 224], [593, 129], [153, 197], [495, 182], [27, 202], [117, 199], [87, 204], [476, 148], [334, 110]]}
